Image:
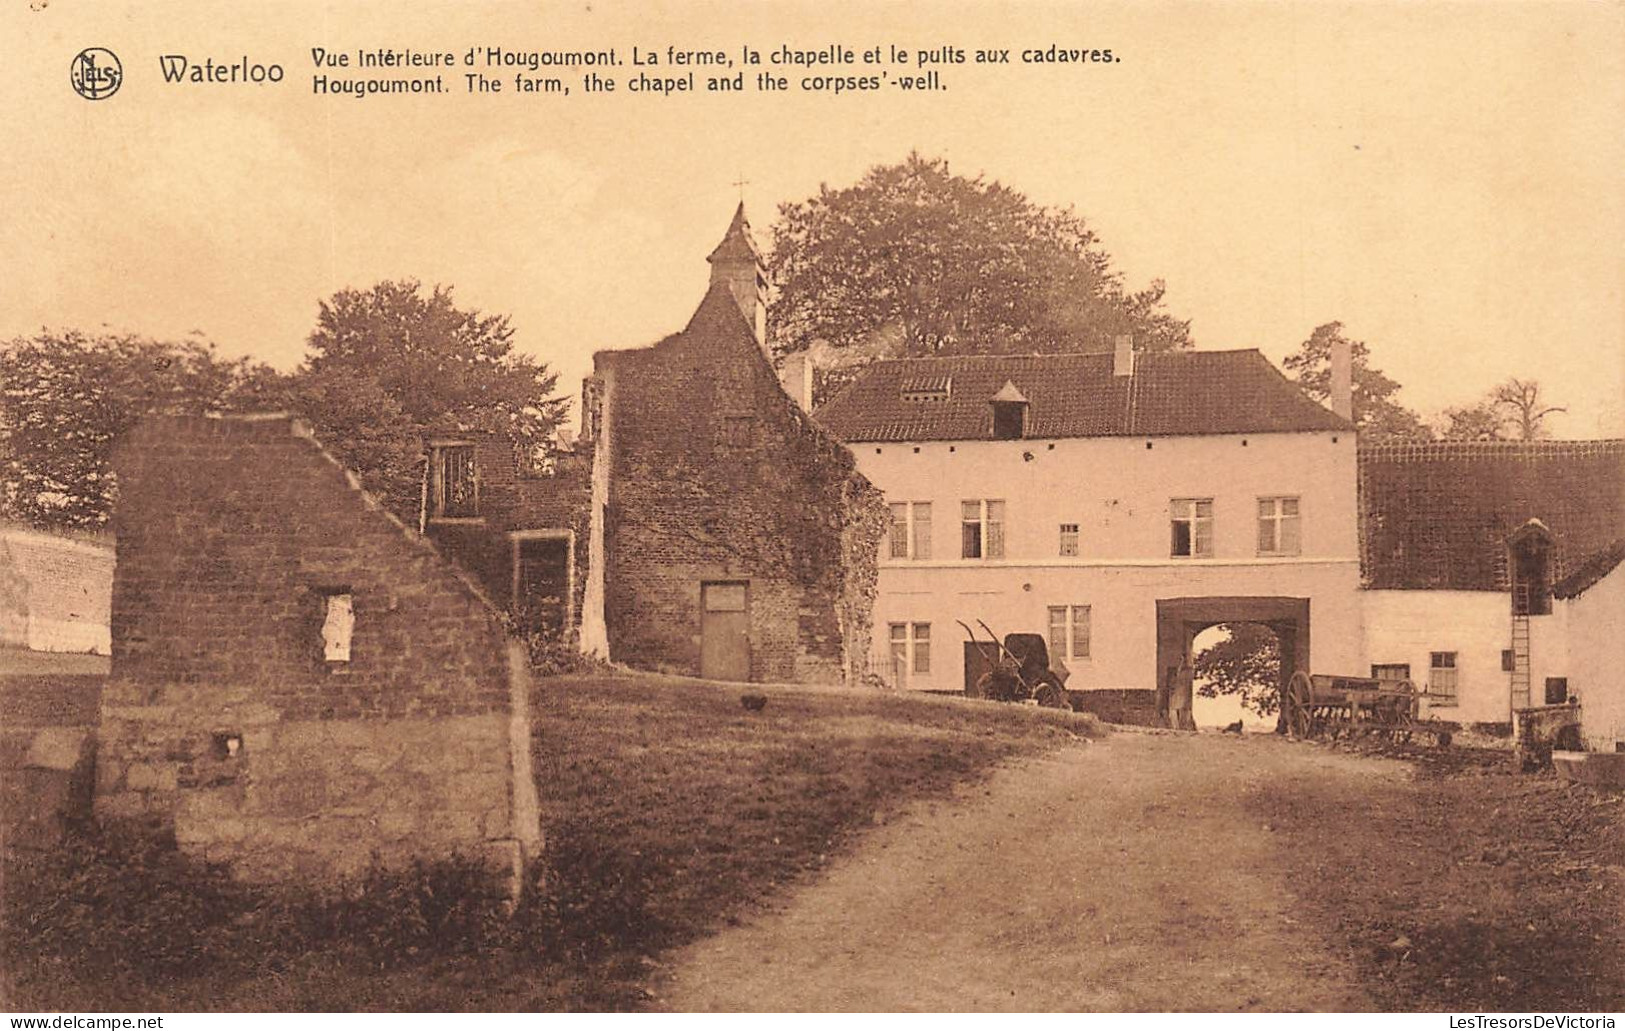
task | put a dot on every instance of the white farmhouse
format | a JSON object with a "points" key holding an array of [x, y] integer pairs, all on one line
{"points": [[1119, 503], [1489, 575]]}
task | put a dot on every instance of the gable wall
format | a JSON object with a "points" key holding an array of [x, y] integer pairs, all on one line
{"points": [[229, 534], [783, 511]]}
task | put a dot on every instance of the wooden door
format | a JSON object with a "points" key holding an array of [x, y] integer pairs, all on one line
{"points": [[724, 631], [979, 660]]}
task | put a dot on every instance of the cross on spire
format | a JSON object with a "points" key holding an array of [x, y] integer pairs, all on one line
{"points": [[741, 182]]}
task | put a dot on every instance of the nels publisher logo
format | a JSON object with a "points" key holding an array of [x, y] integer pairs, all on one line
{"points": [[96, 73]]}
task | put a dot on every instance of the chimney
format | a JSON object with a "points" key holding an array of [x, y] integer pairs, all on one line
{"points": [[1342, 386], [796, 376], [1123, 356], [737, 263]]}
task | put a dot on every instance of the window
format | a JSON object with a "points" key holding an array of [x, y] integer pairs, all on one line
{"points": [[1392, 672], [454, 490], [1069, 631], [911, 529], [922, 647], [1557, 690], [1069, 540], [338, 622], [910, 648], [1191, 527], [1442, 677], [738, 431], [1509, 661], [981, 529], [1009, 420], [1278, 526]]}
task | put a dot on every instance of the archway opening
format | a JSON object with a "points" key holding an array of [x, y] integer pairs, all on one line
{"points": [[1238, 668]]}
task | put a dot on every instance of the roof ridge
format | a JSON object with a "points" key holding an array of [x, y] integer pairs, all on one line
{"points": [[1183, 352]]}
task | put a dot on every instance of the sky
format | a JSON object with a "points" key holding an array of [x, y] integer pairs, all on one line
{"points": [[1444, 179]]}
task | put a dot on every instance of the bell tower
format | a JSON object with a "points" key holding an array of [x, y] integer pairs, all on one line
{"points": [[738, 264]]}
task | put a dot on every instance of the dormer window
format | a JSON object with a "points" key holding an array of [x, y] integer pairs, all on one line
{"points": [[453, 482], [1009, 413], [1530, 548], [927, 389]]}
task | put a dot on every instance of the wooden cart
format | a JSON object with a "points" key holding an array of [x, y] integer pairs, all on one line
{"points": [[1322, 705]]}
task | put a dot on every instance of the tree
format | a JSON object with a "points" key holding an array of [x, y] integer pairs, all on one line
{"points": [[1521, 401], [1480, 421], [915, 261], [1246, 662], [391, 363], [1377, 415], [67, 397]]}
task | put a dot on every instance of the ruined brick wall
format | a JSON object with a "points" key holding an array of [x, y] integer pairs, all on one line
{"points": [[718, 475], [513, 498], [223, 717]]}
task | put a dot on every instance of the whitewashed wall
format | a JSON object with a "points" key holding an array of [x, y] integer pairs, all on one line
{"points": [[1406, 626], [1596, 651], [1118, 491]]}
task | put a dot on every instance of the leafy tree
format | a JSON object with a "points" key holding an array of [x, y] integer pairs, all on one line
{"points": [[1514, 409], [914, 260], [1246, 662], [66, 398], [1376, 413], [1521, 401], [1480, 421], [391, 363]]}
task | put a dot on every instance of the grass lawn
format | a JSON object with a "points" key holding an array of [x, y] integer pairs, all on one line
{"points": [[670, 810]]}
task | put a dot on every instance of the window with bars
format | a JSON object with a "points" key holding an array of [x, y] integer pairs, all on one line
{"points": [[454, 486], [1069, 631], [1190, 522], [981, 529], [1442, 682], [1069, 540], [910, 530], [1279, 529]]}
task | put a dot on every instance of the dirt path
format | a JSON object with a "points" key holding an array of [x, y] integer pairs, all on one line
{"points": [[1117, 875]]}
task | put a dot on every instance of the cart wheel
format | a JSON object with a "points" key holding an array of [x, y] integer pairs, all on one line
{"points": [[1298, 692]]}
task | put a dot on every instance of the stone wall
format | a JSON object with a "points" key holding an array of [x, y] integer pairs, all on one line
{"points": [[716, 474], [228, 718]]}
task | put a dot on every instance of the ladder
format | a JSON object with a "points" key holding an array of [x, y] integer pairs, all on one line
{"points": [[1520, 662]]}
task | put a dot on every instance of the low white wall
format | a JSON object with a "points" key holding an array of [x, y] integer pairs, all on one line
{"points": [[1596, 651], [1407, 626], [57, 592]]}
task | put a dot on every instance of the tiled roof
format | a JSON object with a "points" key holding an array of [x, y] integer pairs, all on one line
{"points": [[1171, 393], [1436, 515], [1590, 572]]}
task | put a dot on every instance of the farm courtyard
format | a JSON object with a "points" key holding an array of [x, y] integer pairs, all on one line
{"points": [[842, 851]]}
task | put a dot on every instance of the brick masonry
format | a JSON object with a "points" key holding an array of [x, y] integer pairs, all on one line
{"points": [[513, 499], [716, 474], [223, 719]]}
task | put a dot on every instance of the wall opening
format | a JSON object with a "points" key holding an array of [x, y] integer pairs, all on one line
{"points": [[543, 581], [1238, 676]]}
